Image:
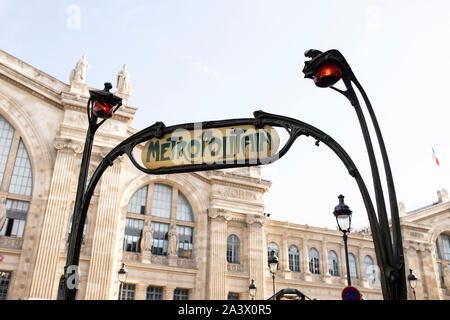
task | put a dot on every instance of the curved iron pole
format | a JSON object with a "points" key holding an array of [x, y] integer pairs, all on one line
{"points": [[295, 128]]}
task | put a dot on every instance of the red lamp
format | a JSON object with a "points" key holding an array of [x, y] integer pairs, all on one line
{"points": [[104, 102], [327, 74]]}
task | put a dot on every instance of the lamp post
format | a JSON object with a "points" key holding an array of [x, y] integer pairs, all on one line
{"points": [[122, 275], [252, 289], [327, 68], [343, 216], [273, 266], [101, 104], [412, 282]]}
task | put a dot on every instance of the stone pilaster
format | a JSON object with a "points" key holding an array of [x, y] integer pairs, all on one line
{"points": [[431, 279], [324, 263], [305, 259], [284, 256], [45, 278], [103, 246], [168, 293], [141, 292], [343, 263], [217, 253], [256, 253]]}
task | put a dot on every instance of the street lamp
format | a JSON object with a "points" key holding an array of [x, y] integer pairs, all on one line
{"points": [[273, 266], [101, 104], [327, 68], [343, 216], [122, 274], [252, 289], [412, 282]]}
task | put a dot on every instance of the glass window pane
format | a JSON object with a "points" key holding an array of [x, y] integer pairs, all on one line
{"points": [[370, 269], [138, 201], [181, 294], [233, 249], [333, 264], [154, 293], [22, 178], [314, 266], [5, 279], [6, 137], [184, 209], [353, 266], [233, 296], [161, 201], [16, 216], [185, 241], [128, 291], [294, 259], [133, 234], [446, 246], [160, 241]]}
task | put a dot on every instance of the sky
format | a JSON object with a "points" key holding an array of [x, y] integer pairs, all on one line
{"points": [[201, 60]]}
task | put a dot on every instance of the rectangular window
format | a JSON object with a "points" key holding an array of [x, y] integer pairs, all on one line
{"points": [[181, 294], [162, 201], [133, 233], [154, 293], [5, 279], [160, 241], [446, 246], [185, 241], [128, 291], [16, 217], [233, 296]]}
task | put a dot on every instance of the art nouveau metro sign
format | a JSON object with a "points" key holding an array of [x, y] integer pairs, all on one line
{"points": [[223, 145]]}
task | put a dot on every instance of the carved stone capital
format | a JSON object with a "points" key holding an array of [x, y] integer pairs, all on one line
{"points": [[256, 219], [216, 213], [75, 146]]}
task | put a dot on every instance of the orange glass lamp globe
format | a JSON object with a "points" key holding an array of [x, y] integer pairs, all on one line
{"points": [[327, 75]]}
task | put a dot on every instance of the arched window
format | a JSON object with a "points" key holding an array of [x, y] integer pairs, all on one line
{"points": [[353, 266], [442, 255], [233, 249], [294, 259], [333, 263], [369, 268], [164, 208], [273, 247], [16, 180], [314, 266]]}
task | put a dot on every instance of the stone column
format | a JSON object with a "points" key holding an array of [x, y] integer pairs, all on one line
{"points": [[361, 268], [217, 253], [100, 275], [256, 253], [56, 221]]}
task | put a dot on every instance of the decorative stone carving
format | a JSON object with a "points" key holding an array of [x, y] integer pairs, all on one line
{"points": [[76, 147], [255, 218], [147, 239], [173, 241], [215, 213], [12, 243], [78, 74], [123, 82], [401, 209]]}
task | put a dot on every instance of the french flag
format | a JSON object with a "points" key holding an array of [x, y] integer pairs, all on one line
{"points": [[434, 157]]}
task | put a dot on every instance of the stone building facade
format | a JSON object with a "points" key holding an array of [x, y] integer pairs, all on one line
{"points": [[182, 236]]}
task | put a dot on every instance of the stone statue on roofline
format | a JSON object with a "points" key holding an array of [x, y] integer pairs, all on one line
{"points": [[78, 74], [123, 82]]}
